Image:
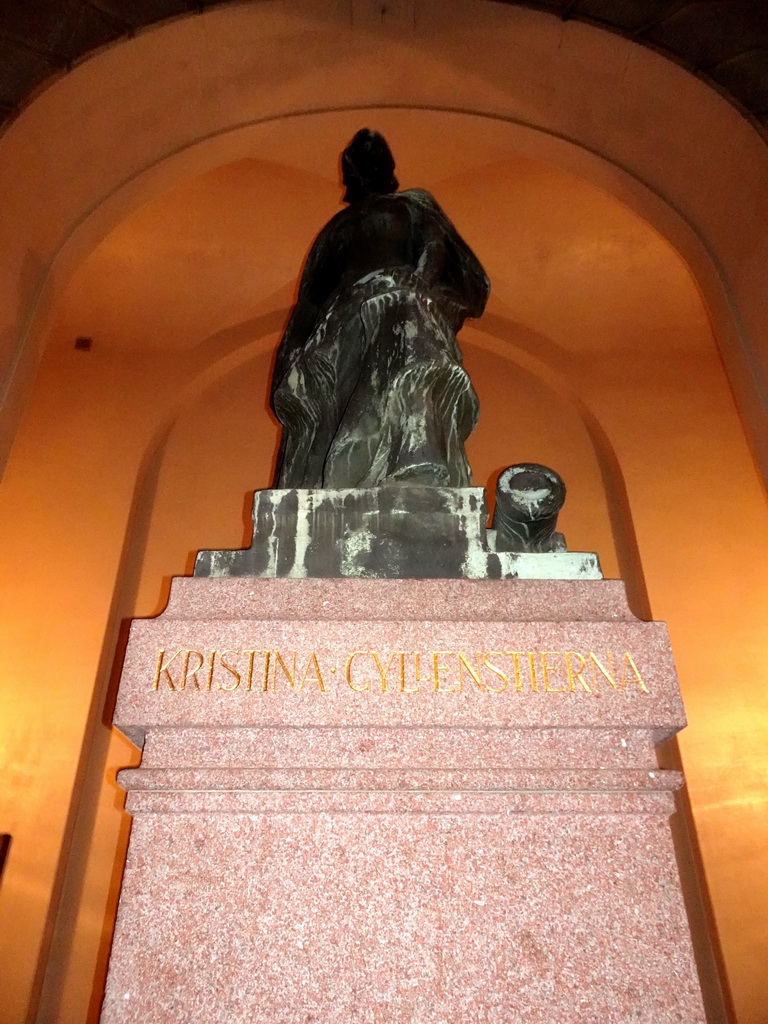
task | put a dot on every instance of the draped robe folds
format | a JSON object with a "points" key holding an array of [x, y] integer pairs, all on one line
{"points": [[368, 382]]}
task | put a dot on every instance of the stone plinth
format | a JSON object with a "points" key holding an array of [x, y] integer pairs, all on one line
{"points": [[391, 532], [400, 802]]}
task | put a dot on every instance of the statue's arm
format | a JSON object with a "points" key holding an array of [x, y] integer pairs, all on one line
{"points": [[297, 331], [474, 284], [305, 313], [447, 263]]}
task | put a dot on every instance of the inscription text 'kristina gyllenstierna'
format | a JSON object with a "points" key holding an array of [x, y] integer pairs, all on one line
{"points": [[382, 672]]}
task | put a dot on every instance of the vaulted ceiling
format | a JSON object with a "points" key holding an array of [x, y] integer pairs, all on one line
{"points": [[724, 42]]}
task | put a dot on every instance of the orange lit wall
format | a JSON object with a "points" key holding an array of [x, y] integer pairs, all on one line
{"points": [[601, 354]]}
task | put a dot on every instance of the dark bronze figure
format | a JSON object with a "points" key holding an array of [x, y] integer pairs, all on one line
{"points": [[369, 384]]}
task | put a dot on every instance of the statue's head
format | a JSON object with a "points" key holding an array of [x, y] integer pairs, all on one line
{"points": [[367, 167]]}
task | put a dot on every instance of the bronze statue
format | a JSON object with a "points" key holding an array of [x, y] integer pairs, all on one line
{"points": [[368, 382]]}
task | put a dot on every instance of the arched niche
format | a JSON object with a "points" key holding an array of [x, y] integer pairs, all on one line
{"points": [[218, 443], [246, 82], [188, 94], [583, 391], [478, 167]]}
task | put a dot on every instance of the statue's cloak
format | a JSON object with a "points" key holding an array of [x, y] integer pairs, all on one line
{"points": [[368, 382]]}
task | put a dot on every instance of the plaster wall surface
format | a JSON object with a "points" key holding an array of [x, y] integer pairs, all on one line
{"points": [[597, 356], [247, 64]]}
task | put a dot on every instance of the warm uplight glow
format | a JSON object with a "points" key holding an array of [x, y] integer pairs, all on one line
{"points": [[596, 356]]}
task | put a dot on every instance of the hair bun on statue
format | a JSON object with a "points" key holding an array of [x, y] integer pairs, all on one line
{"points": [[368, 167]]}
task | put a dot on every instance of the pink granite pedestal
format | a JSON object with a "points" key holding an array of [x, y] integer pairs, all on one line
{"points": [[400, 802]]}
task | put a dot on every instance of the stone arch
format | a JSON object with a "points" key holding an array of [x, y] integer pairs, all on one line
{"points": [[641, 127]]}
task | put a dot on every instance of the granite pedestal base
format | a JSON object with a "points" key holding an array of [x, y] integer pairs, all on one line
{"points": [[400, 802]]}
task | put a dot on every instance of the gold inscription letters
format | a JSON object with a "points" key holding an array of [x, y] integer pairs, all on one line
{"points": [[382, 672]]}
